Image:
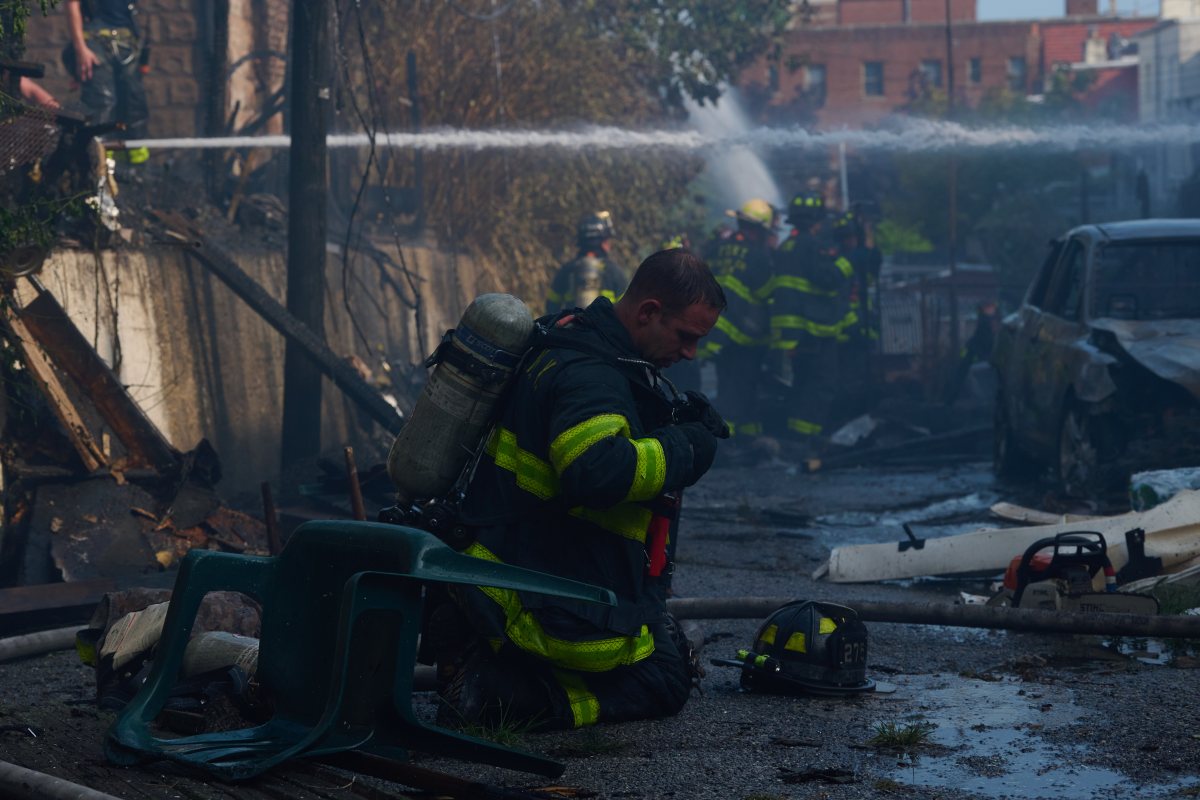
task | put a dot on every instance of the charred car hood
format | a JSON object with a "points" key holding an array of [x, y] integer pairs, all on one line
{"points": [[1170, 348]]}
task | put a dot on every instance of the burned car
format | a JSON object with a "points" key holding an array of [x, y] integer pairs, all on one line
{"points": [[1099, 369]]}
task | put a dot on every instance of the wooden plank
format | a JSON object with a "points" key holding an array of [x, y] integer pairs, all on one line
{"points": [[47, 380], [71, 352], [31, 607]]}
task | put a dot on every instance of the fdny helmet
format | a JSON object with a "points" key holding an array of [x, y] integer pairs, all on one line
{"points": [[808, 647]]}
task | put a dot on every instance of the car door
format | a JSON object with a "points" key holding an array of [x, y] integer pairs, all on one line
{"points": [[1018, 334], [1050, 344]]}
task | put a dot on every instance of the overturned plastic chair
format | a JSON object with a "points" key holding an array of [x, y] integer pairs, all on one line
{"points": [[341, 614]]}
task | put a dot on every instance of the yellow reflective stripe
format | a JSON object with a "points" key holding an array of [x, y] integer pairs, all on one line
{"points": [[595, 655], [768, 636], [610, 294], [624, 519], [737, 287], [750, 428], [708, 350], [784, 344], [533, 475], [138, 155], [729, 329], [585, 708], [795, 321], [844, 265], [826, 626], [796, 643], [553, 296], [793, 282], [804, 426], [574, 441], [650, 473]]}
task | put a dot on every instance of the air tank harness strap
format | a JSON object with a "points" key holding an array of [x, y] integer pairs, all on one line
{"points": [[474, 356]]}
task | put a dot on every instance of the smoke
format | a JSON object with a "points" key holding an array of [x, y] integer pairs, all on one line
{"points": [[907, 135]]}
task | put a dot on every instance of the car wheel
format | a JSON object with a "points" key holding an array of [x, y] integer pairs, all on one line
{"points": [[1081, 468], [1007, 459]]}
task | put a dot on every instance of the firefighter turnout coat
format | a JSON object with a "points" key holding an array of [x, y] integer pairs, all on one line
{"points": [[575, 476]]}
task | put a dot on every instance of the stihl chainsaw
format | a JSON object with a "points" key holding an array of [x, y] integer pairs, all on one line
{"points": [[1058, 573]]}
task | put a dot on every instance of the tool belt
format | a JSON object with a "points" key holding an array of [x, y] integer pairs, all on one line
{"points": [[111, 34]]}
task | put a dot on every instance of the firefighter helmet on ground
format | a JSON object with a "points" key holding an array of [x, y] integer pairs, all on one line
{"points": [[808, 647], [594, 229], [755, 212], [806, 208]]}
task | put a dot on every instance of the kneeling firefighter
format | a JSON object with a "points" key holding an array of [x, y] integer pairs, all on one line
{"points": [[581, 478]]}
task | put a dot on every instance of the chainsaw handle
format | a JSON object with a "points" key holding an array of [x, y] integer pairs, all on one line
{"points": [[1091, 552]]}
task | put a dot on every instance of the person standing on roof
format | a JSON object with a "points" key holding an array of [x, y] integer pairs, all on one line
{"points": [[581, 479], [808, 297], [741, 263], [106, 56], [592, 273]]}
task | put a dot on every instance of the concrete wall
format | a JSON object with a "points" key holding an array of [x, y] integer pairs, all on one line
{"points": [[201, 364]]}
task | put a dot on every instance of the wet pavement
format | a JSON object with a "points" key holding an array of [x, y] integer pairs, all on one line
{"points": [[1008, 715]]}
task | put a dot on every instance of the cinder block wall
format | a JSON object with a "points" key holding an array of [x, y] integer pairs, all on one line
{"points": [[178, 62]]}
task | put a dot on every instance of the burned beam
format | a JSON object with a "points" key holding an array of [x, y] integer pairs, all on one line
{"points": [[72, 353], [26, 608], [47, 380], [331, 365]]}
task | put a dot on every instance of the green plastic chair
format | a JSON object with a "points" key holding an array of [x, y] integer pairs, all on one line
{"points": [[341, 613]]}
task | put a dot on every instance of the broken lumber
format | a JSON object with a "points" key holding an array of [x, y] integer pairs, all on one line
{"points": [[56, 396], [74, 355], [344, 376], [962, 616], [24, 608]]}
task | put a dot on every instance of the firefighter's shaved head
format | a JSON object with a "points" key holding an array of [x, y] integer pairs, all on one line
{"points": [[672, 302], [676, 278]]}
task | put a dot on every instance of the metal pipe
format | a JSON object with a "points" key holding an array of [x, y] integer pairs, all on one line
{"points": [[961, 616], [18, 783], [35, 644]]}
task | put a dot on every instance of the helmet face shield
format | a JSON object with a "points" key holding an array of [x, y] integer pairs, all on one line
{"points": [[808, 647]]}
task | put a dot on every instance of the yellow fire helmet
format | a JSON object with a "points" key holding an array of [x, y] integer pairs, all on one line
{"points": [[756, 211]]}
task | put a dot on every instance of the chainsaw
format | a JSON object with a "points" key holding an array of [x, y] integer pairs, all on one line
{"points": [[1058, 573]]}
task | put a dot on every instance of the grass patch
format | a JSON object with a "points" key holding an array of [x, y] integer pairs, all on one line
{"points": [[900, 736], [1175, 598], [504, 730]]}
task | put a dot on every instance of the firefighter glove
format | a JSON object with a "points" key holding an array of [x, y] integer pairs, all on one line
{"points": [[702, 411], [704, 448]]}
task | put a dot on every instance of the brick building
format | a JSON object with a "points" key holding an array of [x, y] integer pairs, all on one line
{"points": [[854, 62], [207, 57]]}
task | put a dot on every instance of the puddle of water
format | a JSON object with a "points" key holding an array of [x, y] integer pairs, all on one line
{"points": [[990, 732]]}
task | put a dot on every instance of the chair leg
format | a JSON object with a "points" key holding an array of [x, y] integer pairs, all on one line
{"points": [[201, 572]]}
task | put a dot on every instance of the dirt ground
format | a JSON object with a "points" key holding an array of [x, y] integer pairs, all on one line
{"points": [[1007, 715]]}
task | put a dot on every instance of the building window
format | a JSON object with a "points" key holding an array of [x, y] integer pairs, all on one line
{"points": [[975, 70], [873, 78], [814, 84], [1016, 74], [931, 72]]}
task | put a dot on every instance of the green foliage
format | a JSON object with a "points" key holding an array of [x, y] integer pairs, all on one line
{"points": [[14, 14], [892, 236], [905, 737], [552, 64]]}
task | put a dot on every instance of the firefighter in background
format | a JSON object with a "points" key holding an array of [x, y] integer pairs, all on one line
{"points": [[808, 300], [106, 55], [741, 263], [592, 273], [860, 340]]}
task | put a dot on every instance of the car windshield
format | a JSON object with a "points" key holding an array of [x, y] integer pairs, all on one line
{"points": [[1147, 280]]}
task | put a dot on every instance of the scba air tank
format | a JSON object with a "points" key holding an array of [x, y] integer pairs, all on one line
{"points": [[474, 364]]}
